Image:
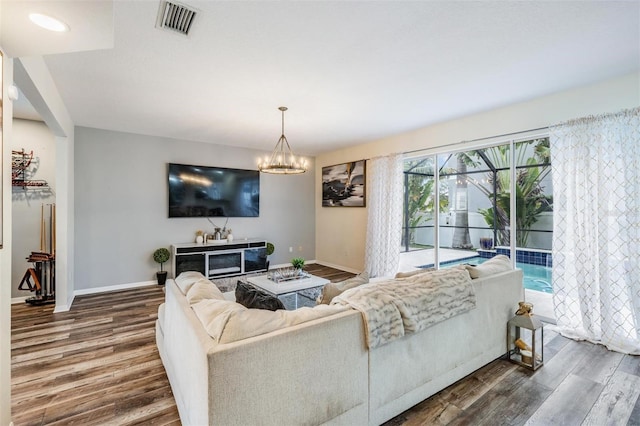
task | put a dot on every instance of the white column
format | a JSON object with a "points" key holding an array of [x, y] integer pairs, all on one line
{"points": [[5, 252]]}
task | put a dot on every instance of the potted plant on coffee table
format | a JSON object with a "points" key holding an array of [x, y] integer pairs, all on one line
{"points": [[161, 255], [298, 263]]}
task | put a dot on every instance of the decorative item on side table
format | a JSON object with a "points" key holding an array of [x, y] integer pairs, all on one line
{"points": [[199, 237], [161, 255], [524, 326]]}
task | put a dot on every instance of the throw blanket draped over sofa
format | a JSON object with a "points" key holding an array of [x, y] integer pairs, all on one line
{"points": [[257, 367], [393, 308]]}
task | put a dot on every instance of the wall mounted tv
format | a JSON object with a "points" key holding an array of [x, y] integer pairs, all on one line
{"points": [[200, 191]]}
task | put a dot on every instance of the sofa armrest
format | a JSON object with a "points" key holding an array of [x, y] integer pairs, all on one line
{"points": [[184, 355]]}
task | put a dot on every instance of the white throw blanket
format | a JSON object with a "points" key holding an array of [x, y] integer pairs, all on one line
{"points": [[396, 307]]}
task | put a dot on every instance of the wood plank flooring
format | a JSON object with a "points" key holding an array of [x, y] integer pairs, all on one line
{"points": [[98, 365]]}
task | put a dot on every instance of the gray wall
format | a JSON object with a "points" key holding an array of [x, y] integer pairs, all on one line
{"points": [[121, 212], [26, 204]]}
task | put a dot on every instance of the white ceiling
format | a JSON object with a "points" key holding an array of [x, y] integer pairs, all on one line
{"points": [[91, 24], [350, 72]]}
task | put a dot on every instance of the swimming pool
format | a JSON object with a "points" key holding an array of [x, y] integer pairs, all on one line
{"points": [[536, 277]]}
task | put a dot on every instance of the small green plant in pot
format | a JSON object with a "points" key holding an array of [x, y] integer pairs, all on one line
{"points": [[297, 263], [161, 255]]}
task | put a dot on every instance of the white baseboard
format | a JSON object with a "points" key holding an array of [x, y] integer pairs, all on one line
{"points": [[62, 308], [342, 268], [116, 287], [86, 291], [57, 309]]}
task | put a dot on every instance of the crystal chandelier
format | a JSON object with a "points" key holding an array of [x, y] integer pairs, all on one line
{"points": [[282, 160]]}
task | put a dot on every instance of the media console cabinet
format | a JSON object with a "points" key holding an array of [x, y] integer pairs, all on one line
{"points": [[216, 260]]}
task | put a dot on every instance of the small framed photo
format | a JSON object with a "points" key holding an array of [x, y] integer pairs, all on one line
{"points": [[343, 185]]}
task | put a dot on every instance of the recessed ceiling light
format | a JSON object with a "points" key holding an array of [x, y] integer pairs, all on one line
{"points": [[48, 22]]}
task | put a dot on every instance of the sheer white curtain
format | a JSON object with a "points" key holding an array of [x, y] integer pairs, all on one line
{"points": [[596, 236], [384, 209]]}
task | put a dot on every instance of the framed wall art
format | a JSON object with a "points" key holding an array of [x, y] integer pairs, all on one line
{"points": [[344, 185]]}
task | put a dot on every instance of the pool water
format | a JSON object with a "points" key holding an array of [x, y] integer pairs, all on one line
{"points": [[536, 277]]}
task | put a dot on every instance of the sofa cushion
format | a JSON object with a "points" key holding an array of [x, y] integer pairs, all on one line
{"points": [[228, 322], [495, 265], [412, 273], [253, 298], [331, 290], [203, 289], [186, 279]]}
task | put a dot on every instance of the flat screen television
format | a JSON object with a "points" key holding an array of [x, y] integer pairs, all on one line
{"points": [[201, 191]]}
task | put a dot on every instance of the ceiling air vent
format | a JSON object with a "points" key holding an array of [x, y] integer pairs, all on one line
{"points": [[175, 17]]}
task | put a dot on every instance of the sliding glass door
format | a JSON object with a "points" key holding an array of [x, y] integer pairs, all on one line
{"points": [[469, 217]]}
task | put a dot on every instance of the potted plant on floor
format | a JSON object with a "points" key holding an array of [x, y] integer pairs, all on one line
{"points": [[161, 255], [270, 249]]}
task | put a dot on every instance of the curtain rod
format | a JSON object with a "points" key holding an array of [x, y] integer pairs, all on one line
{"points": [[478, 140]]}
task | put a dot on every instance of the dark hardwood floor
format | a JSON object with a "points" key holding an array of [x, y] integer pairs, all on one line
{"points": [[98, 365]]}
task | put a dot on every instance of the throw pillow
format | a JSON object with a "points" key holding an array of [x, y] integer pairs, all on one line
{"points": [[228, 322], [332, 290], [203, 289], [495, 265], [186, 279], [253, 298]]}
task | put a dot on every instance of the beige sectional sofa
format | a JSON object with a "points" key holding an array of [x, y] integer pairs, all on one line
{"points": [[314, 367]]}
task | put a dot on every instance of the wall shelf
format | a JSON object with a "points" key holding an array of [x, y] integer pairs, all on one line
{"points": [[20, 167]]}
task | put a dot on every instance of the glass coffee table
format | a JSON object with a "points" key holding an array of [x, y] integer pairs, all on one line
{"points": [[289, 292]]}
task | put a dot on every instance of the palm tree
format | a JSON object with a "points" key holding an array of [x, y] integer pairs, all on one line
{"points": [[461, 237], [531, 200], [419, 197]]}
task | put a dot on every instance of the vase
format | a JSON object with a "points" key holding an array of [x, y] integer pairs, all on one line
{"points": [[199, 239], [229, 237]]}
